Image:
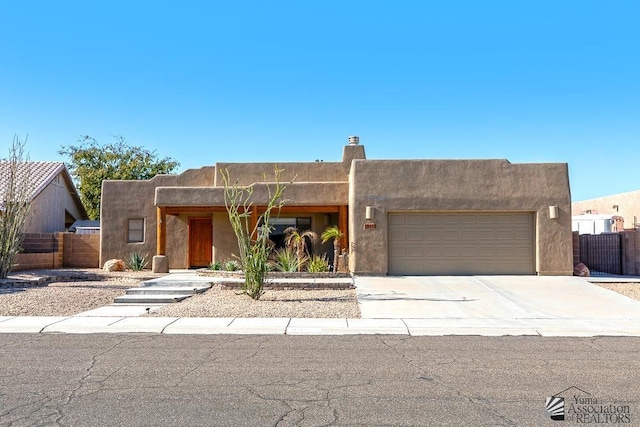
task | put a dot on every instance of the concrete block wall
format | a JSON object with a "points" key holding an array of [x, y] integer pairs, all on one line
{"points": [[58, 250], [631, 253], [34, 261], [576, 247], [81, 250]]}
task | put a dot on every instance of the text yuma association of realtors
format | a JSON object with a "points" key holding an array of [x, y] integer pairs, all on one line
{"points": [[589, 410]]}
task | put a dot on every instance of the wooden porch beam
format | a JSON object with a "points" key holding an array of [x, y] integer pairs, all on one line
{"points": [[177, 210], [304, 209]]}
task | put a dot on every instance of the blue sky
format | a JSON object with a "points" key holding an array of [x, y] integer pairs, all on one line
{"points": [[207, 81]]}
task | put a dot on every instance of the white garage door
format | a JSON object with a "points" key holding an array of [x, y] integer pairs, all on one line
{"points": [[461, 243]]}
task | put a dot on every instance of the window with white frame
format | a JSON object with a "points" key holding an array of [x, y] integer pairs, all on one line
{"points": [[135, 231]]}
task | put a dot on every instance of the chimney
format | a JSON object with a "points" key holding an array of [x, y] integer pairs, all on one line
{"points": [[352, 151]]}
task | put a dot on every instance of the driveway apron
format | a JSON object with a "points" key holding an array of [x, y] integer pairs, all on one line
{"points": [[490, 297]]}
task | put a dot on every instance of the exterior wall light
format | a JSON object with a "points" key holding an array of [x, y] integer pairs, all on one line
{"points": [[554, 212], [368, 213]]}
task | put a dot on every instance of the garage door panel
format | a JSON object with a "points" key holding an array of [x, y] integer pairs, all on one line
{"points": [[416, 236], [398, 235], [414, 220], [464, 243], [397, 252]]}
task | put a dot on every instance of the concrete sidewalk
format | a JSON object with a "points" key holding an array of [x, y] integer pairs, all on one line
{"points": [[481, 305], [567, 327]]}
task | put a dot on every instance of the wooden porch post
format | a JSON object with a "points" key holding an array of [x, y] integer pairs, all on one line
{"points": [[161, 235], [343, 225]]}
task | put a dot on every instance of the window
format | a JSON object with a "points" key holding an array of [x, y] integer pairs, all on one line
{"points": [[136, 230], [278, 225]]}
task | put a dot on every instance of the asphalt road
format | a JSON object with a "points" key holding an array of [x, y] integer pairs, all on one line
{"points": [[249, 380]]}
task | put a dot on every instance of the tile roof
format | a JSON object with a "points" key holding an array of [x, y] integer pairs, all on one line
{"points": [[38, 174]]}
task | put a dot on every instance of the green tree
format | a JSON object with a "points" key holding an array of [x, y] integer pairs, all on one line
{"points": [[333, 233], [91, 163], [253, 241], [15, 200]]}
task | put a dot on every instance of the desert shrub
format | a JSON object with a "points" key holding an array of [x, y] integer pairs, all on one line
{"points": [[137, 261], [318, 264], [254, 245], [287, 260], [231, 265], [216, 265]]}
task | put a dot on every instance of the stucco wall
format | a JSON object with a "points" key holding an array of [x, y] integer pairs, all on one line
{"points": [[225, 243], [300, 194], [124, 200], [458, 185], [249, 173], [628, 207]]}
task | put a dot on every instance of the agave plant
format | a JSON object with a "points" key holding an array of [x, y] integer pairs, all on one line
{"points": [[333, 233], [297, 242], [137, 261]]}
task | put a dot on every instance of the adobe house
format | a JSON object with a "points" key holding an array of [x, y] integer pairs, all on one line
{"points": [[625, 205], [400, 217]]}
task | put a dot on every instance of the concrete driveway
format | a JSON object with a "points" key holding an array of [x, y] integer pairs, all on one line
{"points": [[522, 304]]}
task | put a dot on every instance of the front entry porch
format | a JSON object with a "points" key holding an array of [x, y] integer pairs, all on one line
{"points": [[210, 238]]}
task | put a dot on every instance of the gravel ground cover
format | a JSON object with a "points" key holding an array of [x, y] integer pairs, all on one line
{"points": [[71, 291], [276, 303], [631, 290], [68, 292]]}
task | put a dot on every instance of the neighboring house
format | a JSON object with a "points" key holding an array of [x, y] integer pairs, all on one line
{"points": [[596, 223], [625, 205], [55, 203], [85, 226], [400, 217]]}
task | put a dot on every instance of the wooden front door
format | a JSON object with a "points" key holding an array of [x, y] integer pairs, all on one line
{"points": [[200, 242]]}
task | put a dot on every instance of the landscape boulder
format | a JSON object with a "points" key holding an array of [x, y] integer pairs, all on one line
{"points": [[114, 265], [581, 270]]}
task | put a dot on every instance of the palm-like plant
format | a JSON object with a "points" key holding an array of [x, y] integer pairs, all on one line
{"points": [[333, 233], [297, 241]]}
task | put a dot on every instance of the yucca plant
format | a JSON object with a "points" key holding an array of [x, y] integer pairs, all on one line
{"points": [[286, 260], [137, 261], [318, 264]]}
